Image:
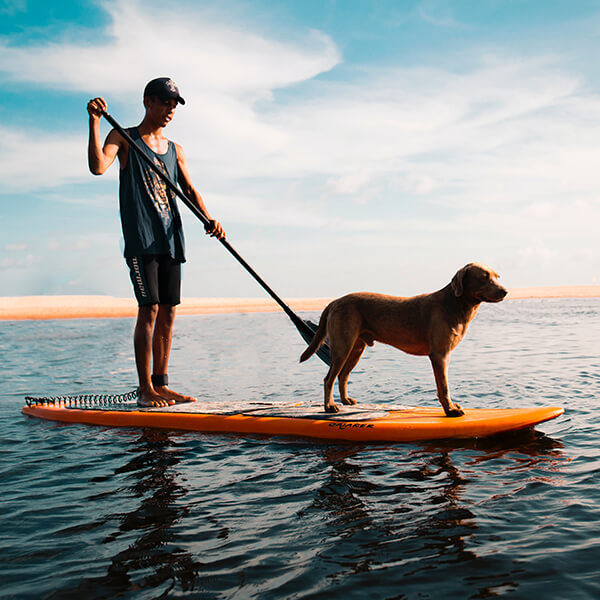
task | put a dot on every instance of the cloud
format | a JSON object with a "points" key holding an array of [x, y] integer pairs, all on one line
{"points": [[387, 116], [201, 56], [222, 70], [34, 160]]}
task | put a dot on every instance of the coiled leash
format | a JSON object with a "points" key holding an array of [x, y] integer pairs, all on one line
{"points": [[87, 400]]}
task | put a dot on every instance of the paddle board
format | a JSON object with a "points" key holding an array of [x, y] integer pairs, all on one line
{"points": [[360, 423]]}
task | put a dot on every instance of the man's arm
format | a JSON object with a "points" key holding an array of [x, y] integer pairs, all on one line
{"points": [[214, 228], [101, 157]]}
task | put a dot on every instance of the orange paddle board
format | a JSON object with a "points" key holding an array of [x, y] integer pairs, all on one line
{"points": [[360, 423]]}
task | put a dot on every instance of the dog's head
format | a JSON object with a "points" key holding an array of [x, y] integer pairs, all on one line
{"points": [[478, 282]]}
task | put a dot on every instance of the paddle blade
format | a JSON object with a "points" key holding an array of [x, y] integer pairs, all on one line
{"points": [[307, 330]]}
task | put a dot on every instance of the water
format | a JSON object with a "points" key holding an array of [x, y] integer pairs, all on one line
{"points": [[90, 512]]}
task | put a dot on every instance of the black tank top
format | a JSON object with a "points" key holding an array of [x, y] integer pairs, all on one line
{"points": [[149, 215]]}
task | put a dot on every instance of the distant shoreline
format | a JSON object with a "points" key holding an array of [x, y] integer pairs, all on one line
{"points": [[97, 307]]}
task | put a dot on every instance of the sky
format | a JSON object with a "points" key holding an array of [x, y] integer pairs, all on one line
{"points": [[344, 145]]}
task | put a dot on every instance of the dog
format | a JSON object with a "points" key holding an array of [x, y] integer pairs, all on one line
{"points": [[426, 325]]}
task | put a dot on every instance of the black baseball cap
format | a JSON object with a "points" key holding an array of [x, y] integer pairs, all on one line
{"points": [[163, 88]]}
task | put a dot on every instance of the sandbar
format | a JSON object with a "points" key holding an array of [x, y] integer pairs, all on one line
{"points": [[94, 307]]}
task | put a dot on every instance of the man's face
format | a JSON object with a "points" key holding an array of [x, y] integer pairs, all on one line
{"points": [[160, 111]]}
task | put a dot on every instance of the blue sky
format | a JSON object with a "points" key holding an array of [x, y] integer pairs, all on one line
{"points": [[357, 145]]}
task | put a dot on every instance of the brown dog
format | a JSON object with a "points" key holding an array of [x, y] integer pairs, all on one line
{"points": [[427, 325]]}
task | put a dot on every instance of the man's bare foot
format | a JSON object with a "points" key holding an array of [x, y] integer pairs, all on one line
{"points": [[172, 396], [149, 399]]}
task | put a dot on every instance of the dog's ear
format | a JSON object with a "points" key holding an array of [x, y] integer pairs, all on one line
{"points": [[457, 281]]}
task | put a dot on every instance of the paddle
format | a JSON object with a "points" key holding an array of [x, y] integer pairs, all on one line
{"points": [[306, 328]]}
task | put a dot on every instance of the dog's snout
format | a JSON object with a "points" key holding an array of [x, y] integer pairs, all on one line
{"points": [[499, 293]]}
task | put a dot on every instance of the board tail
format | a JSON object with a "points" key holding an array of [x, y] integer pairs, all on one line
{"points": [[318, 339]]}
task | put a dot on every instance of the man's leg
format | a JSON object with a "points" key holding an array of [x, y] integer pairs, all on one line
{"points": [[161, 348], [142, 344]]}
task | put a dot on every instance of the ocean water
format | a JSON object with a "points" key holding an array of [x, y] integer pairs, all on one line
{"points": [[92, 512]]}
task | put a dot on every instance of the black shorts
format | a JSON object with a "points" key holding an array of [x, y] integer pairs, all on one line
{"points": [[156, 279]]}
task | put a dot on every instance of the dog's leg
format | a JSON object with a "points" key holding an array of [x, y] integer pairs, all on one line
{"points": [[334, 369], [439, 362], [351, 362], [341, 347], [337, 363]]}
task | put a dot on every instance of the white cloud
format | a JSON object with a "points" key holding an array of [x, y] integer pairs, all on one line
{"points": [[31, 160], [223, 71], [203, 57]]}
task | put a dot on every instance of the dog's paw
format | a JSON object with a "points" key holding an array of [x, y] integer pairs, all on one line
{"points": [[332, 408], [455, 411], [349, 401]]}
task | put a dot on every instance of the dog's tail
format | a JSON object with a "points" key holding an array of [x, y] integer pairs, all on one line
{"points": [[319, 338]]}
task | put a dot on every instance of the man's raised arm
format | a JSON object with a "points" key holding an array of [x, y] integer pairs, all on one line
{"points": [[101, 157]]}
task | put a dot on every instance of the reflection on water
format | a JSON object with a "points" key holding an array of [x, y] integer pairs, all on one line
{"points": [[423, 518], [153, 560], [103, 513]]}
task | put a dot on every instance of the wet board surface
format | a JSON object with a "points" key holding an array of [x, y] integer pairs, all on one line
{"points": [[363, 422]]}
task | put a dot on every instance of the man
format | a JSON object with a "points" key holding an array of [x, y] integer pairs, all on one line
{"points": [[154, 245]]}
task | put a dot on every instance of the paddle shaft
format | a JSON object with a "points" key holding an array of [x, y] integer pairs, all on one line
{"points": [[196, 210]]}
